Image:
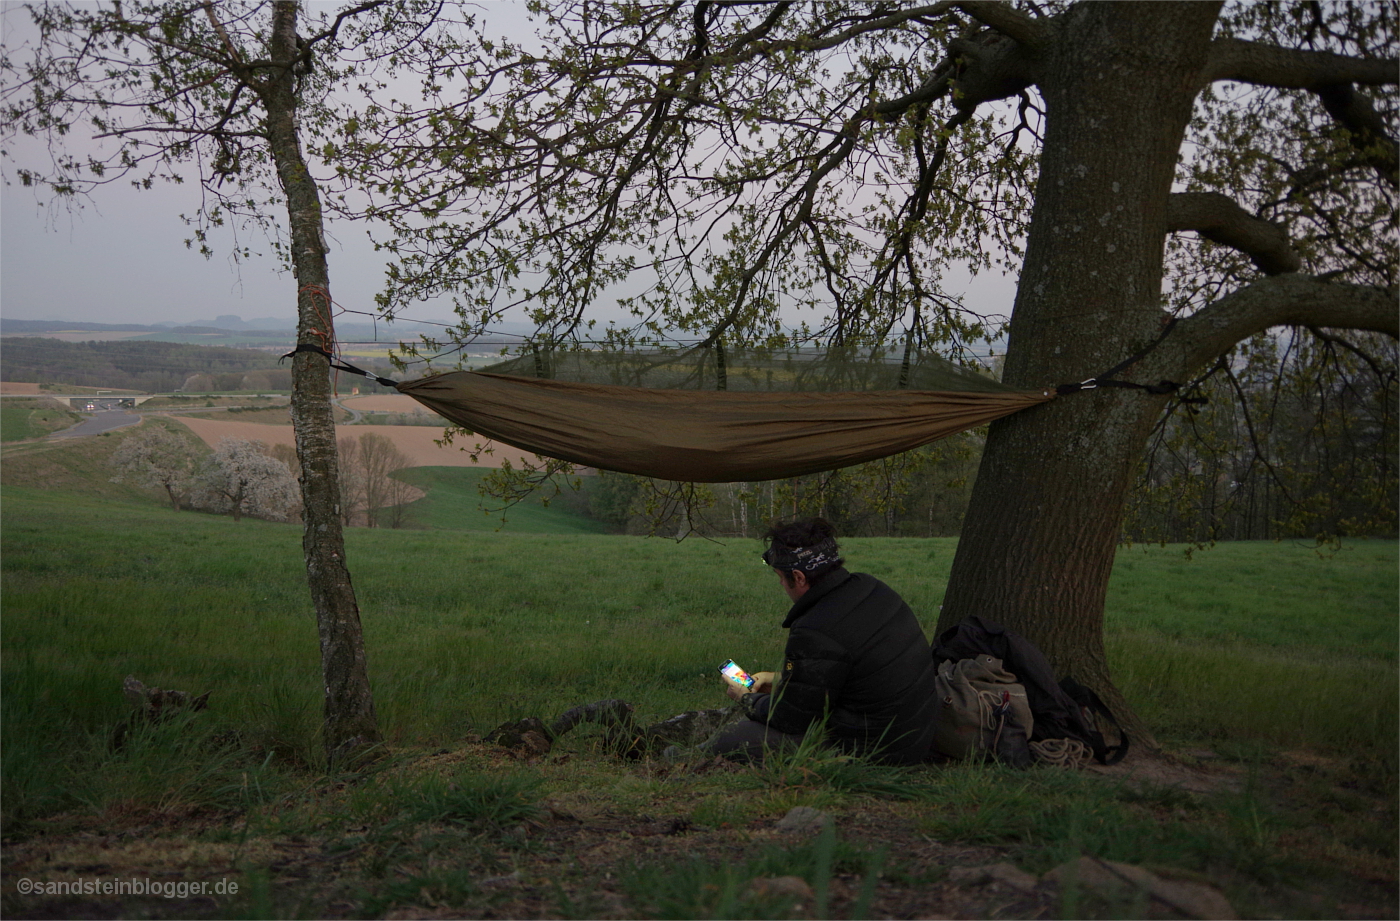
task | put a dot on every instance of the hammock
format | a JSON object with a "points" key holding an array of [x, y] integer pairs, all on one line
{"points": [[714, 436], [726, 416]]}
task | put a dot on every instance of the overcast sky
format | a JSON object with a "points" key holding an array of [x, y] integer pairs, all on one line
{"points": [[120, 258]]}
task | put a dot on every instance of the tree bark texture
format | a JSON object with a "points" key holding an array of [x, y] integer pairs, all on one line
{"points": [[350, 724], [1118, 80]]}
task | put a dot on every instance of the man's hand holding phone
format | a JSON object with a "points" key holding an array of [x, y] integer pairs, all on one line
{"points": [[738, 682]]}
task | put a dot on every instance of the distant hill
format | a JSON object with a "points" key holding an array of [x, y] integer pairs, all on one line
{"points": [[150, 366], [267, 327], [30, 327], [235, 323], [153, 367], [268, 339]]}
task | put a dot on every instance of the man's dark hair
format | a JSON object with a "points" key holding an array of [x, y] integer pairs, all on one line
{"points": [[806, 544]]}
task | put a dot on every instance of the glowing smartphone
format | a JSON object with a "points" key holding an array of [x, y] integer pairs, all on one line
{"points": [[736, 674]]}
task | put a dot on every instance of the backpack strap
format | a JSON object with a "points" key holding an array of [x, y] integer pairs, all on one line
{"points": [[1086, 697]]}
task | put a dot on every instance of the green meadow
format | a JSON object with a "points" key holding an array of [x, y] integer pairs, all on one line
{"points": [[24, 419], [454, 503], [1273, 665]]}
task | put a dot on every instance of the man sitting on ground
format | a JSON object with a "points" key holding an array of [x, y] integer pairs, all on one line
{"points": [[856, 661]]}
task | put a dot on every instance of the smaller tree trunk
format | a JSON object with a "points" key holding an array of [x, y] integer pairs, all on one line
{"points": [[350, 724]]}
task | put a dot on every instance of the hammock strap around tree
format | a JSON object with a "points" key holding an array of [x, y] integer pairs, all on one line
{"points": [[1108, 378], [337, 364]]}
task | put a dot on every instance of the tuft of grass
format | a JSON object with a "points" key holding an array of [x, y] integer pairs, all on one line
{"points": [[487, 801], [176, 767], [811, 765], [1047, 817], [700, 888]]}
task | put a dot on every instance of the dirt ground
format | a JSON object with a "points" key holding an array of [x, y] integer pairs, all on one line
{"points": [[570, 862], [386, 403]]}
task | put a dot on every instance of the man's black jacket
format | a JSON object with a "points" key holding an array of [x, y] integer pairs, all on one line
{"points": [[857, 654]]}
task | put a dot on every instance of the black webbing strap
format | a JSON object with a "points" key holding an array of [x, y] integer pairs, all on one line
{"points": [[1107, 378], [338, 365]]}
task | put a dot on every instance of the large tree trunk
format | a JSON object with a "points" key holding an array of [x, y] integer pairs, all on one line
{"points": [[1046, 510], [350, 724]]}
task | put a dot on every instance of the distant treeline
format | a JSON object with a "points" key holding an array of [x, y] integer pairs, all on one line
{"points": [[153, 367], [18, 327]]}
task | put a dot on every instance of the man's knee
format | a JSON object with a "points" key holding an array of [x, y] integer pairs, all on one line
{"points": [[748, 740]]}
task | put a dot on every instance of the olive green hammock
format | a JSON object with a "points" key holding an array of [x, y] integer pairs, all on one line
{"points": [[723, 415], [665, 416]]}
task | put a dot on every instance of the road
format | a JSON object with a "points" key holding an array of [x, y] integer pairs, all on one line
{"points": [[355, 414], [98, 423]]}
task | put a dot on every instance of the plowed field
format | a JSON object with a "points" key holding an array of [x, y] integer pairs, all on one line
{"points": [[415, 441]]}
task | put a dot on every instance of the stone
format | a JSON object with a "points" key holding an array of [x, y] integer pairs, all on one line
{"points": [[768, 887], [1178, 897], [1004, 873], [803, 819]]}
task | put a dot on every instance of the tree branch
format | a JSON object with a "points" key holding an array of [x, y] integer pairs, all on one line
{"points": [[1371, 361], [334, 28], [1028, 31], [1353, 111], [1262, 64], [220, 31], [1219, 219], [1282, 300], [994, 66]]}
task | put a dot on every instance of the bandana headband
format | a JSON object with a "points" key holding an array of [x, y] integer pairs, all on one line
{"points": [[807, 559]]}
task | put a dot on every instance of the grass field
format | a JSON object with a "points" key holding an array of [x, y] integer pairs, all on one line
{"points": [[23, 419], [1269, 669], [454, 502]]}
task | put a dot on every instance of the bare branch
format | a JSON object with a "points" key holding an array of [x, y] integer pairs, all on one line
{"points": [[222, 32], [334, 28], [1218, 218], [1354, 111], [1371, 361]]}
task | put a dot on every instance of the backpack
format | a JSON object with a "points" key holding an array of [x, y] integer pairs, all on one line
{"points": [[982, 712], [1062, 710]]}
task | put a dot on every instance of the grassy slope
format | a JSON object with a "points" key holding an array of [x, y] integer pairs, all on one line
{"points": [[454, 502], [1286, 596], [578, 617], [466, 629], [21, 419], [79, 466]]}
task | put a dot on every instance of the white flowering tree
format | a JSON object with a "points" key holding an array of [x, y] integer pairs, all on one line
{"points": [[156, 457], [242, 478]]}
